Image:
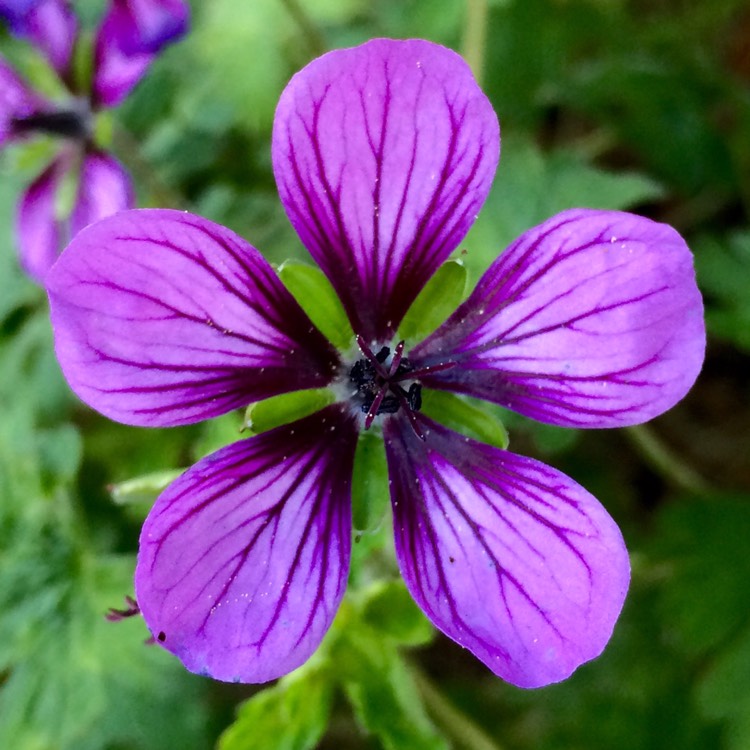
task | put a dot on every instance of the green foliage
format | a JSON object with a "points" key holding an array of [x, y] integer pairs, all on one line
{"points": [[531, 186], [315, 294], [440, 297], [707, 600], [723, 694], [139, 493], [72, 679], [291, 715], [383, 693], [278, 410], [612, 104], [465, 416], [723, 266], [388, 609], [360, 659], [370, 495]]}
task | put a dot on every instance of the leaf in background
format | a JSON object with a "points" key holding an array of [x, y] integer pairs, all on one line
{"points": [[388, 608], [531, 186], [139, 493], [268, 41], [72, 680], [382, 692], [724, 692], [663, 110], [723, 266], [291, 715], [702, 547]]}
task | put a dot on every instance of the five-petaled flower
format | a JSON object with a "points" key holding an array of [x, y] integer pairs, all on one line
{"points": [[383, 155], [131, 34]]}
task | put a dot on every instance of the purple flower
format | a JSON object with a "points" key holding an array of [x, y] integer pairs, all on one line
{"points": [[383, 155], [131, 34]]}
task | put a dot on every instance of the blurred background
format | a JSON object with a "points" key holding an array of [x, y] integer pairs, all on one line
{"points": [[641, 105]]}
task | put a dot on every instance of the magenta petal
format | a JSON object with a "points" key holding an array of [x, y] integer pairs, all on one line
{"points": [[17, 100], [39, 232], [165, 318], [383, 156], [148, 25], [129, 38], [507, 556], [15, 11], [52, 27], [104, 189], [244, 559], [592, 319]]}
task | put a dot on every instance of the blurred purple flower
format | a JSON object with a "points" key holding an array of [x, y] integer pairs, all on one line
{"points": [[383, 155], [130, 36]]}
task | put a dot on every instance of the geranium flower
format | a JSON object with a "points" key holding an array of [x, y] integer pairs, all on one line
{"points": [[131, 34], [383, 155]]}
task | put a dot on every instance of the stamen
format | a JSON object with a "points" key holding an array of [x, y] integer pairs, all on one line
{"points": [[378, 390], [396, 361], [362, 344], [115, 615], [373, 412], [428, 370]]}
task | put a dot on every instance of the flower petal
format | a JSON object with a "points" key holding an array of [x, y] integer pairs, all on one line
{"points": [[52, 27], [131, 35], [17, 100], [507, 556], [149, 25], [592, 319], [165, 318], [14, 11], [243, 560], [104, 189], [383, 156], [38, 230]]}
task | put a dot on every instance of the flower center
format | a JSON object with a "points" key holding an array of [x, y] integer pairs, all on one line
{"points": [[379, 382]]}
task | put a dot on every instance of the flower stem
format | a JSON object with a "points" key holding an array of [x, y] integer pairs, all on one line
{"points": [[312, 34], [464, 732], [664, 461], [475, 36]]}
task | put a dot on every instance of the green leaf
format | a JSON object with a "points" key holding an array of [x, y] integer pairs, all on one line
{"points": [[724, 692], [465, 417], [389, 608], [291, 715], [531, 186], [440, 297], [217, 433], [723, 266], [370, 491], [72, 680], [703, 547], [318, 299], [144, 489], [288, 407], [382, 692]]}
